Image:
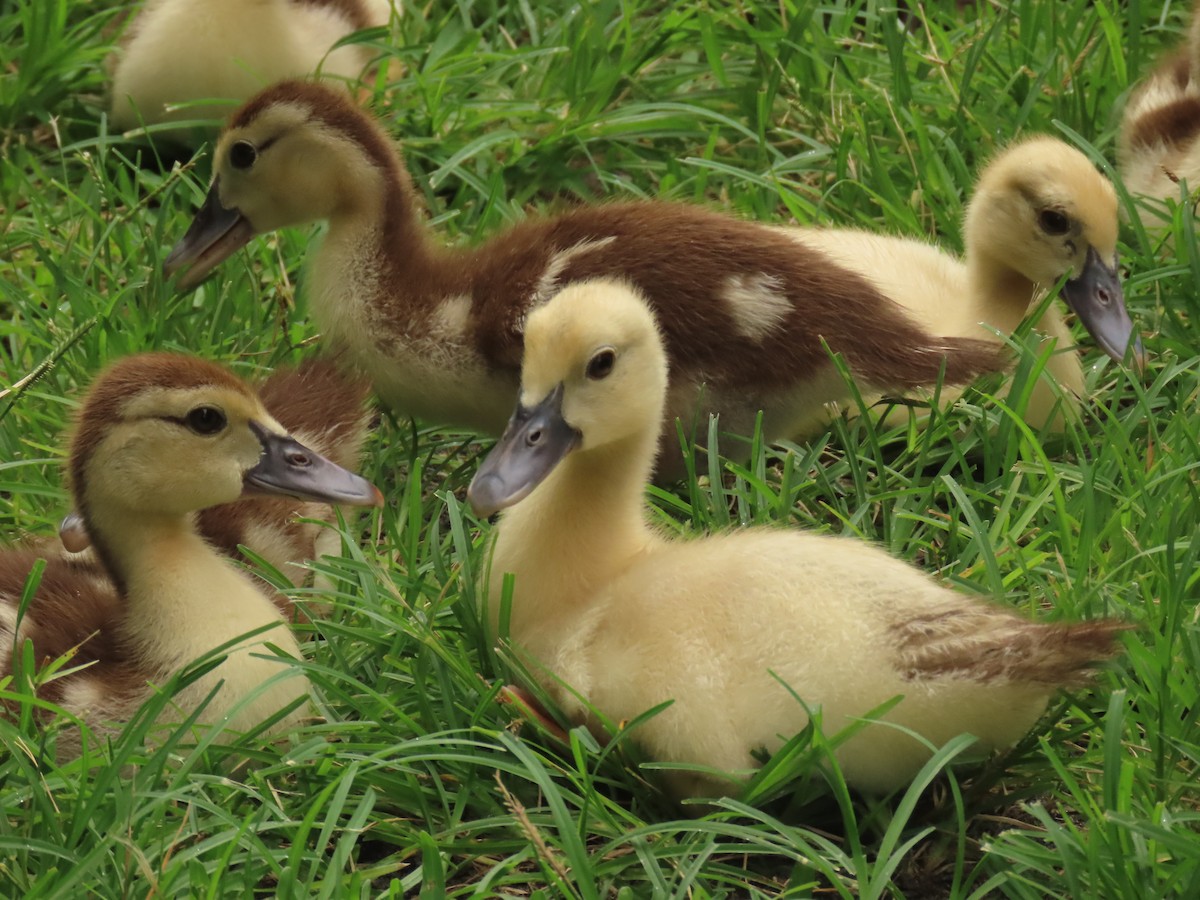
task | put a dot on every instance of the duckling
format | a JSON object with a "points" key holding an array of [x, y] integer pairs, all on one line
{"points": [[159, 437], [322, 407], [1040, 211], [1158, 145], [605, 606], [177, 53], [743, 308]]}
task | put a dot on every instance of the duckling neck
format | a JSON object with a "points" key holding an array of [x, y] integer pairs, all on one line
{"points": [[181, 599], [1002, 295], [378, 247], [580, 528]]}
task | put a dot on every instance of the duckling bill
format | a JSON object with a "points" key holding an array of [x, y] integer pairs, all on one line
{"points": [[614, 619], [288, 467], [535, 441], [1097, 297]]}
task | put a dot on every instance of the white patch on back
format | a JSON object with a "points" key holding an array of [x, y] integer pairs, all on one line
{"points": [[757, 303], [84, 694], [547, 284], [451, 317]]}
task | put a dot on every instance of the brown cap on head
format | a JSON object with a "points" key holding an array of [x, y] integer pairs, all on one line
{"points": [[113, 387], [329, 106]]}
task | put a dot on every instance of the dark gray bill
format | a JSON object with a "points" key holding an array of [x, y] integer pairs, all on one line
{"points": [[216, 233], [535, 441], [288, 467], [1096, 296]]}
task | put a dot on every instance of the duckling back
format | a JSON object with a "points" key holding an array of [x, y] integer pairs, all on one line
{"points": [[178, 52]]}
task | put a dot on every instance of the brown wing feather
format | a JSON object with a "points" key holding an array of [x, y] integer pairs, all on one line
{"points": [[993, 645], [75, 610]]}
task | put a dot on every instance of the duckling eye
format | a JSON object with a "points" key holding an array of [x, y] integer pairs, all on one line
{"points": [[205, 420], [601, 364], [1054, 222], [242, 155]]}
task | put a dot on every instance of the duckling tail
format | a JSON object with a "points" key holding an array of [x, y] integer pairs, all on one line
{"points": [[955, 360], [993, 646], [968, 358]]}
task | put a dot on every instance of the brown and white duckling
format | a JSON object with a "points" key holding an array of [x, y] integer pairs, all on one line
{"points": [[160, 436], [604, 605], [1158, 145], [320, 405], [439, 330], [1040, 211], [177, 53]]}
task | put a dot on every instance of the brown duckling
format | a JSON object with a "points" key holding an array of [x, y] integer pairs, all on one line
{"points": [[744, 309]]}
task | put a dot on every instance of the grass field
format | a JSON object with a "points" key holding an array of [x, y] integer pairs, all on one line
{"points": [[414, 781]]}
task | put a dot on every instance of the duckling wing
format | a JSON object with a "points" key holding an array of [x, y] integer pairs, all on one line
{"points": [[73, 610], [986, 644]]}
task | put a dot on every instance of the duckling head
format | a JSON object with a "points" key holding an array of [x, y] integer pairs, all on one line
{"points": [[1042, 209], [294, 153], [162, 435], [593, 379]]}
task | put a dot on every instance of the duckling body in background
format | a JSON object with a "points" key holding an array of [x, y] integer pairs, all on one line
{"points": [[178, 52], [439, 331], [159, 437], [321, 406], [604, 605], [1159, 142], [1040, 211]]}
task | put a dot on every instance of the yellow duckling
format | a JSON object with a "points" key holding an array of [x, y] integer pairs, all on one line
{"points": [[159, 437], [439, 330], [323, 408], [1158, 145], [604, 605], [178, 53], [1041, 211]]}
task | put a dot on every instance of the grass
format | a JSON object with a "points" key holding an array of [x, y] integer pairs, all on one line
{"points": [[413, 780]]}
